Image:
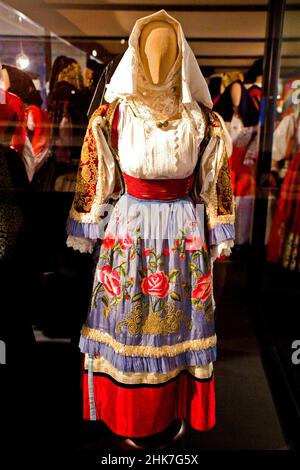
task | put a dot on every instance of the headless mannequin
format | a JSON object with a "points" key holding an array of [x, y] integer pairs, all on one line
{"points": [[158, 50], [158, 53], [236, 93]]}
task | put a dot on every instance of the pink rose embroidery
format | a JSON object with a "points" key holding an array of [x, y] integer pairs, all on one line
{"points": [[193, 243], [126, 242], [110, 279], [203, 289], [156, 284]]}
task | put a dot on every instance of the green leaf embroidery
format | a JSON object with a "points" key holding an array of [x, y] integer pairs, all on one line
{"points": [[105, 300], [123, 271], [173, 275], [137, 297], [193, 266], [106, 312], [175, 296]]}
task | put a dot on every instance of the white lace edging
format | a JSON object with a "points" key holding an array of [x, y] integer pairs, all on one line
{"points": [[84, 245], [222, 249]]}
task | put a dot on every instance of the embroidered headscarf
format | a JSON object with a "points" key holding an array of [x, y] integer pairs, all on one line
{"points": [[129, 80]]}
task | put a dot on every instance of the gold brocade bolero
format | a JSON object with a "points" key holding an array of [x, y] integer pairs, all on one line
{"points": [[212, 184]]}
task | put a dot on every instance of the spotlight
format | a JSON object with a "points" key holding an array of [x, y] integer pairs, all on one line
{"points": [[94, 53], [22, 61]]}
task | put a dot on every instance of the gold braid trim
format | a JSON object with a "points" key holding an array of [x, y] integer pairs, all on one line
{"points": [[148, 351], [102, 365]]}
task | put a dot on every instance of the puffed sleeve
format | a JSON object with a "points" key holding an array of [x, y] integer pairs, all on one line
{"points": [[97, 182], [215, 188], [281, 138]]}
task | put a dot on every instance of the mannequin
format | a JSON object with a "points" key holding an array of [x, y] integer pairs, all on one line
{"points": [[158, 50], [283, 239], [150, 155], [157, 60], [239, 106]]}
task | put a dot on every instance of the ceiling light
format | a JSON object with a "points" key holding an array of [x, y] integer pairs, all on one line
{"points": [[22, 61], [94, 53], [122, 41]]}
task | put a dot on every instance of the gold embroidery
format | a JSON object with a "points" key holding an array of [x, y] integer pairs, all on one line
{"points": [[220, 206], [91, 178], [290, 251], [148, 351], [102, 365], [88, 170], [224, 190], [154, 323], [217, 195]]}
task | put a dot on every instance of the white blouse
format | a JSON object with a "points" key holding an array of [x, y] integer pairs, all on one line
{"points": [[151, 152]]}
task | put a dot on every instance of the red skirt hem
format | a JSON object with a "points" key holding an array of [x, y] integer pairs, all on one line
{"points": [[141, 411]]}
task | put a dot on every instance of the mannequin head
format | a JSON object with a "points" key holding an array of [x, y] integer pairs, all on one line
{"points": [[158, 50]]}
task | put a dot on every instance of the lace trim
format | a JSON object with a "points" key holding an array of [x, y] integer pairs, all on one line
{"points": [[222, 249], [84, 245], [160, 101], [146, 351]]}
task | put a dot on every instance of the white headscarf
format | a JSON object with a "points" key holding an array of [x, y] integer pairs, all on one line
{"points": [[123, 82]]}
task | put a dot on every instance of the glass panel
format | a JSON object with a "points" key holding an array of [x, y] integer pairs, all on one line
{"points": [[283, 228]]}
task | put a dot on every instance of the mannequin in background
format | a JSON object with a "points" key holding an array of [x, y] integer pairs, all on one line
{"points": [[253, 81], [284, 244], [239, 106], [19, 85], [149, 340]]}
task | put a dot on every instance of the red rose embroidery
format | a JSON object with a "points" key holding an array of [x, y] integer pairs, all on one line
{"points": [[193, 243], [146, 252], [126, 242], [203, 288], [110, 279], [156, 284], [166, 252], [108, 242]]}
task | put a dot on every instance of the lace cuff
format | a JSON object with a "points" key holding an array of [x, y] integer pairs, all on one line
{"points": [[223, 248], [84, 245]]}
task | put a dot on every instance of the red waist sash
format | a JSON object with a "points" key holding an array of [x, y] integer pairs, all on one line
{"points": [[164, 189]]}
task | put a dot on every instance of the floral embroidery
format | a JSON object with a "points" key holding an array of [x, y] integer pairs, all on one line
{"points": [[126, 242], [204, 287], [154, 308], [193, 243], [110, 280], [156, 284], [108, 242]]}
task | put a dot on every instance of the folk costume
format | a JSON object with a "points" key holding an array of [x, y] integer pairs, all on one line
{"points": [[284, 240], [149, 339], [243, 128]]}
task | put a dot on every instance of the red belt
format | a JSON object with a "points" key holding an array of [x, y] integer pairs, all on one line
{"points": [[164, 190]]}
